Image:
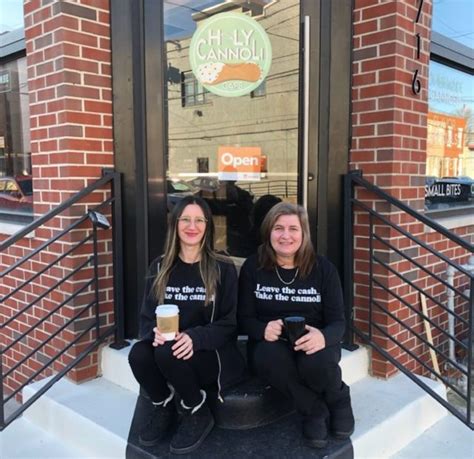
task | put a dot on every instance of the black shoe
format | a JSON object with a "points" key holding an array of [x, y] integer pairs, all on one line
{"points": [[315, 431], [158, 424], [342, 420], [192, 430]]}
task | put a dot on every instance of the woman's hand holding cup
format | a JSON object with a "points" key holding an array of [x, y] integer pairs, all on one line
{"points": [[273, 330], [183, 348], [312, 342], [159, 338]]}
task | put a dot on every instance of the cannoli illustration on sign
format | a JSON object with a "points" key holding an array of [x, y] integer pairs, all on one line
{"points": [[230, 54]]}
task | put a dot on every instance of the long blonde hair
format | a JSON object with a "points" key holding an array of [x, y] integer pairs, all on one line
{"points": [[208, 266], [305, 257]]}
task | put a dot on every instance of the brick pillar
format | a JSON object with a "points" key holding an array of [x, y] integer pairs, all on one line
{"points": [[388, 144], [69, 78]]}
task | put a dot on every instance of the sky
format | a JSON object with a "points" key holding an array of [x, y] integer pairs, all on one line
{"points": [[455, 19], [11, 15]]}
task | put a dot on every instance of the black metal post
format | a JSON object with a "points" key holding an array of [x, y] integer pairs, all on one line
{"points": [[371, 230], [348, 262], [2, 404], [117, 236], [96, 281], [470, 353]]}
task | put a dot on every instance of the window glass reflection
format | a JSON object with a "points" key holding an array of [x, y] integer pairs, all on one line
{"points": [[454, 19], [16, 194], [450, 142], [261, 125]]}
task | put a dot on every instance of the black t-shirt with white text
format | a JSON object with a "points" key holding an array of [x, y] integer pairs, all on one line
{"points": [[264, 297]]}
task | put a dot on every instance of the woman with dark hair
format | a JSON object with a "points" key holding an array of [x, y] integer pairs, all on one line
{"points": [[203, 284], [286, 278]]}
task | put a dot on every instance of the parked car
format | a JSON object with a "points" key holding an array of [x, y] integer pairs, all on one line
{"points": [[176, 190], [205, 183], [16, 194]]}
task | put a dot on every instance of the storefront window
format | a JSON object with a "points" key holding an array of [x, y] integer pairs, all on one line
{"points": [[16, 193], [450, 143]]}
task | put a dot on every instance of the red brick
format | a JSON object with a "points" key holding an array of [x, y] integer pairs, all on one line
{"points": [[63, 21], [364, 79], [79, 118], [31, 6], [95, 54], [365, 27], [67, 90], [75, 37], [79, 65], [97, 80], [95, 28], [379, 10], [98, 133], [96, 106], [98, 4]]}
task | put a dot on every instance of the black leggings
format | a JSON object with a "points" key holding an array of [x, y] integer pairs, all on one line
{"points": [[153, 367], [313, 381]]}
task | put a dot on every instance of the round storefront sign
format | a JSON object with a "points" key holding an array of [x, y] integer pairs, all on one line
{"points": [[230, 54]]}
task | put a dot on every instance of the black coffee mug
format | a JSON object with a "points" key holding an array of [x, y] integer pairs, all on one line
{"points": [[295, 328]]}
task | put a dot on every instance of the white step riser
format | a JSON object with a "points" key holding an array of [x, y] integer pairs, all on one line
{"points": [[115, 367], [397, 431]]}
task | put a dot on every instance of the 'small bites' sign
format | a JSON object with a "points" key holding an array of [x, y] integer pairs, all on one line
{"points": [[230, 54], [239, 163]]}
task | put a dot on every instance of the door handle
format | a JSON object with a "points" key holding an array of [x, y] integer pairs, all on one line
{"points": [[306, 43]]}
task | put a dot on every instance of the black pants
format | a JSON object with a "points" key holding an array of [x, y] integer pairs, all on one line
{"points": [[313, 381], [153, 367]]}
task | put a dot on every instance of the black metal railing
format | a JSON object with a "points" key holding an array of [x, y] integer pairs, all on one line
{"points": [[399, 274], [21, 324]]}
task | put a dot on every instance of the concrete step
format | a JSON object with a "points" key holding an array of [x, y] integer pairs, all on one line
{"points": [[23, 439], [96, 419], [93, 417], [448, 438], [390, 414], [115, 367]]}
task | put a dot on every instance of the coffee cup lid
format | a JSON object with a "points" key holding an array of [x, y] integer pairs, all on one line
{"points": [[165, 310]]}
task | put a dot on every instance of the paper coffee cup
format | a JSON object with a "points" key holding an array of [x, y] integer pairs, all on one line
{"points": [[167, 320]]}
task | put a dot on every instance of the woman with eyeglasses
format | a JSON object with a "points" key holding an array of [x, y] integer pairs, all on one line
{"points": [[203, 284], [287, 280]]}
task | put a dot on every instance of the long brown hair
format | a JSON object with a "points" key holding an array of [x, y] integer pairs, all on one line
{"points": [[208, 266], [305, 257]]}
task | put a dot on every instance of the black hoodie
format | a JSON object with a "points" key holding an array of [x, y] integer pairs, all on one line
{"points": [[212, 327]]}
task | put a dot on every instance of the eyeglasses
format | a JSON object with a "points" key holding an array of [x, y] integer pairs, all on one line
{"points": [[198, 221]]}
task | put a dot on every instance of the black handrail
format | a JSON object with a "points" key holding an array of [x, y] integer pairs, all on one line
{"points": [[109, 176], [114, 203], [357, 178], [351, 181]]}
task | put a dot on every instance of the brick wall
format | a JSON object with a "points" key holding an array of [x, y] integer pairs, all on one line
{"points": [[389, 145], [69, 80]]}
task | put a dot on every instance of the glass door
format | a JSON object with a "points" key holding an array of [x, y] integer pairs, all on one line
{"points": [[243, 153]]}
